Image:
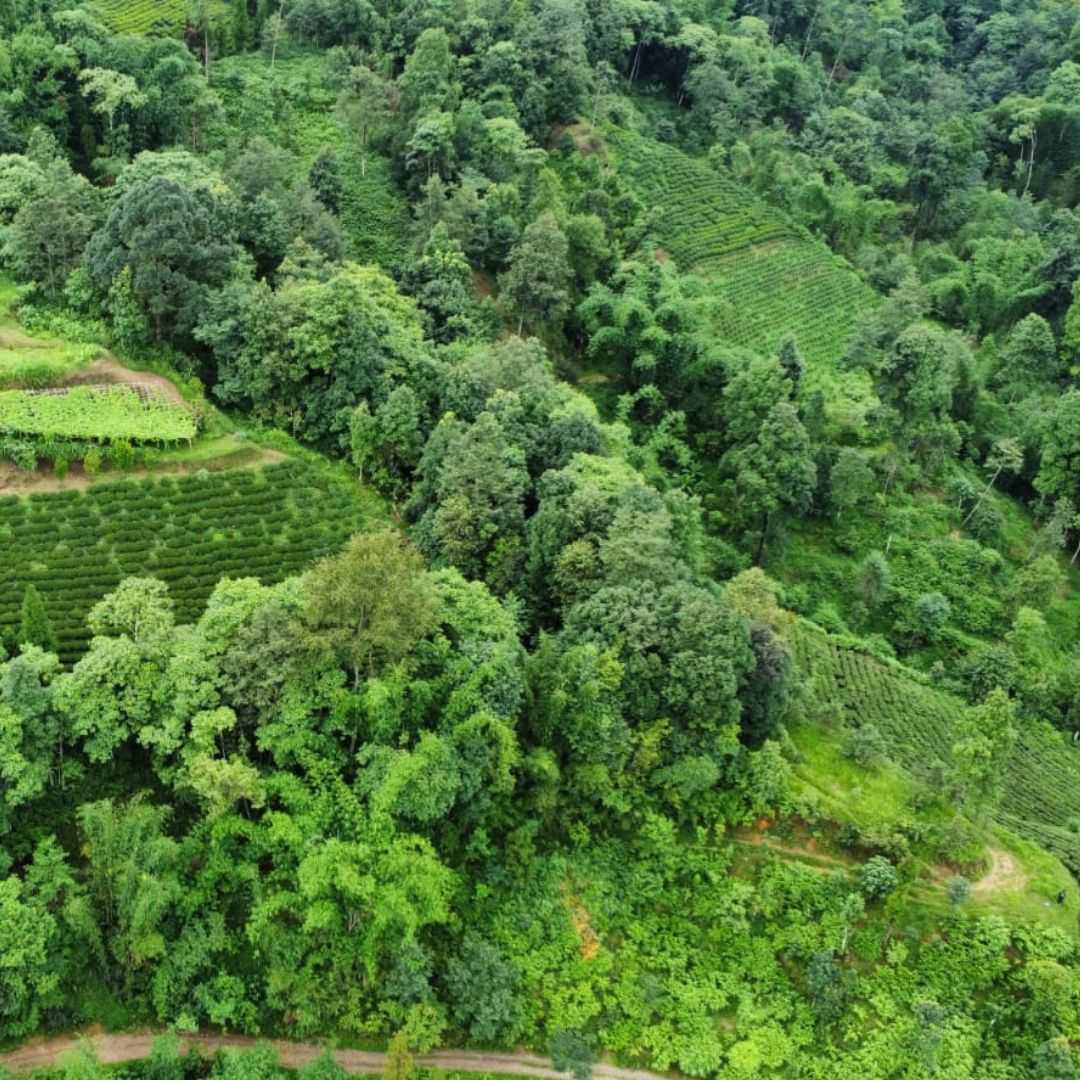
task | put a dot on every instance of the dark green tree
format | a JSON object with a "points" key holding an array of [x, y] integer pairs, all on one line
{"points": [[176, 244], [483, 989], [571, 1052], [536, 288], [35, 627]]}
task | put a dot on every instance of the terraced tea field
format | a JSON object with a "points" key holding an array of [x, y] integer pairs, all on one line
{"points": [[774, 277], [143, 16], [162, 17], [1042, 788], [189, 531]]}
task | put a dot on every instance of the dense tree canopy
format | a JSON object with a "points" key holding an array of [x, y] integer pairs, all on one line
{"points": [[670, 650]]}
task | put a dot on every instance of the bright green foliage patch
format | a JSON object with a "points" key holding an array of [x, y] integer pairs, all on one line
{"points": [[101, 413], [774, 278], [189, 531], [375, 217], [28, 362], [42, 365]]}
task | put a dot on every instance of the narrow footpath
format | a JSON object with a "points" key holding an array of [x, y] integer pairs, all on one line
{"points": [[114, 1049]]}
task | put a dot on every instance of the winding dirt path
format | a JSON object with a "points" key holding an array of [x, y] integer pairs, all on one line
{"points": [[114, 1049], [1005, 875]]}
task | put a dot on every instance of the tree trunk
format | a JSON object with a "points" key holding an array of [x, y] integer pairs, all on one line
{"points": [[836, 60], [634, 64], [761, 542], [1031, 161], [982, 495], [809, 31]]}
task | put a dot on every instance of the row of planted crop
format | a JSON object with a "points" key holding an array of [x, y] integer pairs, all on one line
{"points": [[95, 414], [76, 546]]}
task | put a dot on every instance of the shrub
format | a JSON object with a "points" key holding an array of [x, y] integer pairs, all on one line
{"points": [[827, 617], [932, 611], [958, 889], [877, 877]]}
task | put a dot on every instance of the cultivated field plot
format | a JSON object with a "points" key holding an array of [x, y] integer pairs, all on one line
{"points": [[143, 16], [189, 531], [98, 413], [775, 277], [1041, 800]]}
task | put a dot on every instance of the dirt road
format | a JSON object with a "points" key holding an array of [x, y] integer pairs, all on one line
{"points": [[113, 1049]]}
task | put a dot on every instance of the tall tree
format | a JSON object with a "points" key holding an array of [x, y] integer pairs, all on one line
{"points": [[35, 627], [986, 737], [176, 243], [537, 285], [370, 604]]}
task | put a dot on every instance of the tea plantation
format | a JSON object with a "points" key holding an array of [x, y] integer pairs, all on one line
{"points": [[189, 531], [773, 277], [143, 16], [1041, 797]]}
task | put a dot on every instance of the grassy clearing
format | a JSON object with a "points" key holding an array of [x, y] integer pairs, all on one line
{"points": [[29, 362], [834, 786]]}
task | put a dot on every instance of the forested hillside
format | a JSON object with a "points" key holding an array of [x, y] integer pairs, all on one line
{"points": [[544, 527]]}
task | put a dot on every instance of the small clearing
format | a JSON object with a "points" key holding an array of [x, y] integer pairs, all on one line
{"points": [[1005, 875], [13, 338], [803, 846]]}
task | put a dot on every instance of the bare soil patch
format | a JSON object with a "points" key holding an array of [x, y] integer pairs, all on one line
{"points": [[11, 338], [1005, 875], [110, 371]]}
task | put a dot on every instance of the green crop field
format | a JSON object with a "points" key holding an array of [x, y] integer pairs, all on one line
{"points": [[143, 16], [1042, 788], [189, 531], [162, 17], [772, 275], [101, 413]]}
